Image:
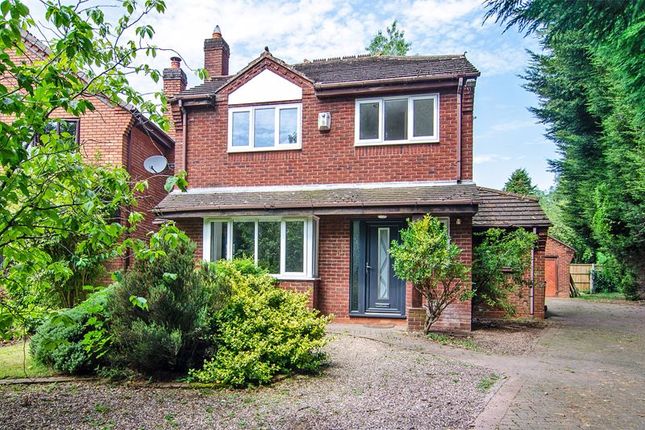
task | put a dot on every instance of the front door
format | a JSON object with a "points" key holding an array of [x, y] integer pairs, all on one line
{"points": [[384, 293]]}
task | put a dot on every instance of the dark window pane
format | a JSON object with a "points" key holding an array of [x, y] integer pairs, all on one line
{"points": [[294, 261], [269, 246], [69, 127], [240, 129], [368, 117], [264, 127], [396, 119], [423, 117], [218, 240], [289, 126], [243, 239]]}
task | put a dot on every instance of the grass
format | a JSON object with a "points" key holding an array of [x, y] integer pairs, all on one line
{"points": [[461, 342], [601, 296], [11, 363], [487, 382]]}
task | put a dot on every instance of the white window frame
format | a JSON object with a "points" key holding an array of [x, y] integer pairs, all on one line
{"points": [[410, 125], [310, 241], [277, 146]]}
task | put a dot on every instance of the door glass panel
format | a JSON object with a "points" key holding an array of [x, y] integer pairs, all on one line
{"points": [[383, 265], [218, 240], [368, 117], [264, 127], [269, 246], [423, 117], [295, 258], [243, 239], [396, 119], [240, 134]]}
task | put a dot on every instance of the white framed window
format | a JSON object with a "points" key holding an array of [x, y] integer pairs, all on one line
{"points": [[286, 247], [397, 120], [265, 128]]}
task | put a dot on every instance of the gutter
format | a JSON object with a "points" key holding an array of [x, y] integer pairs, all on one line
{"points": [[460, 91], [407, 79]]}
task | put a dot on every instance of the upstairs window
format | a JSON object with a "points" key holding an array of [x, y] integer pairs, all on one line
{"points": [[66, 128], [265, 128], [396, 120]]}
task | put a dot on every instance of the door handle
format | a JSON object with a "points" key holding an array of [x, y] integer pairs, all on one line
{"points": [[367, 266]]}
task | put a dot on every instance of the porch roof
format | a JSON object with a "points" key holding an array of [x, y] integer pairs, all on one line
{"points": [[322, 200], [501, 209]]}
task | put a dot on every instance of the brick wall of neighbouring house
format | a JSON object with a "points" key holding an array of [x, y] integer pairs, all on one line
{"points": [[563, 256], [521, 298], [326, 157], [142, 146]]}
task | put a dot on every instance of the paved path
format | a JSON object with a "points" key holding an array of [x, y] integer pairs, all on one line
{"points": [[586, 371]]}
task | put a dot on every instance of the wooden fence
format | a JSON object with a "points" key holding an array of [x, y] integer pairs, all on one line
{"points": [[581, 276]]}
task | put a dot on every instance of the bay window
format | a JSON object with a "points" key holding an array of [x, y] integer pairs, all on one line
{"points": [[265, 128], [398, 119], [286, 247]]}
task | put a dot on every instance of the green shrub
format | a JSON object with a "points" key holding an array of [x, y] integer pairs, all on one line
{"points": [[75, 340], [426, 257], [159, 310], [262, 331], [500, 264]]}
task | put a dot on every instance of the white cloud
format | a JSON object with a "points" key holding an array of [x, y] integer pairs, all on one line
{"points": [[489, 158]]}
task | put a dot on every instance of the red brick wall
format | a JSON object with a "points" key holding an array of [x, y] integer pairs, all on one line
{"points": [[334, 265], [143, 146], [563, 255], [326, 157], [522, 298]]}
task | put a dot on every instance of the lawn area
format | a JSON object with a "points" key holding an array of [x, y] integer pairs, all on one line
{"points": [[11, 363], [601, 296]]}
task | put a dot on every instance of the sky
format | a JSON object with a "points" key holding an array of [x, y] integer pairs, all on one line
{"points": [[506, 135]]}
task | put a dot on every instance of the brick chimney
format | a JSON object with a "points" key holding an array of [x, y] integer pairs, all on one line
{"points": [[174, 78], [216, 54]]}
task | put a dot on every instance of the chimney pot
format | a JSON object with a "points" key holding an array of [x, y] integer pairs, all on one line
{"points": [[175, 62], [217, 33]]}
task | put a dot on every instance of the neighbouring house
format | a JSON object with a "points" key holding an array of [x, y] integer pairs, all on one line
{"points": [[312, 169], [558, 258], [117, 135]]}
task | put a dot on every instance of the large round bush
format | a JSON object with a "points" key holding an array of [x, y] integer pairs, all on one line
{"points": [[75, 340]]}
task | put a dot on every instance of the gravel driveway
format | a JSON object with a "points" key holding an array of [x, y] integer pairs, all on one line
{"points": [[370, 384]]}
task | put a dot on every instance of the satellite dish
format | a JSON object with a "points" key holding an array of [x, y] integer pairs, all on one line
{"points": [[155, 164]]}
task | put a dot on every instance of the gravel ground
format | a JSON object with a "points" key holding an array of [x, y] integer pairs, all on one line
{"points": [[368, 385]]}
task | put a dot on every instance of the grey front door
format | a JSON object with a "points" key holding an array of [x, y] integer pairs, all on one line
{"points": [[384, 292]]}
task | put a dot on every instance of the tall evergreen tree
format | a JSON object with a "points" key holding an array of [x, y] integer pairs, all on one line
{"points": [[591, 84], [520, 183], [393, 43]]}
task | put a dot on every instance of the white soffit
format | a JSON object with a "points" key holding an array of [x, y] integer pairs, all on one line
{"points": [[265, 87]]}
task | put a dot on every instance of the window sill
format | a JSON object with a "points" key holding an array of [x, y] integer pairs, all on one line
{"points": [[396, 142], [241, 150], [294, 278]]}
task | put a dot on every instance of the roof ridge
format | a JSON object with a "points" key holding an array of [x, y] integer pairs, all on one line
{"points": [[390, 57], [508, 193]]}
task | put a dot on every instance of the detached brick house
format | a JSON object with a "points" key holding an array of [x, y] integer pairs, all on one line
{"points": [[312, 169], [116, 135]]}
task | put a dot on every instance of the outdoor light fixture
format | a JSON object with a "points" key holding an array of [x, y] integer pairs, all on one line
{"points": [[458, 221], [382, 216]]}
